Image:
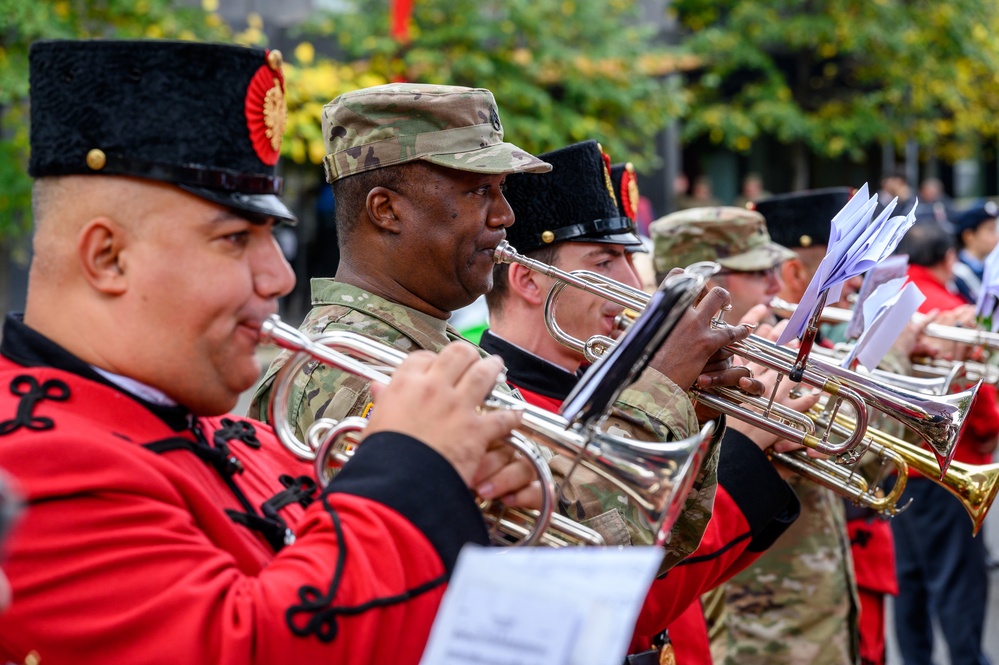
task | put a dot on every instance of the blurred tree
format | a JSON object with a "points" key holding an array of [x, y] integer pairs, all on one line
{"points": [[831, 77], [23, 22], [562, 71]]}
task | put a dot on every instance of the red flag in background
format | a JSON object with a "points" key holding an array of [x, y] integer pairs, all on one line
{"points": [[401, 11]]}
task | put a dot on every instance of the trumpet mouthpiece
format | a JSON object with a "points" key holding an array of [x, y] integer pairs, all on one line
{"points": [[503, 252]]}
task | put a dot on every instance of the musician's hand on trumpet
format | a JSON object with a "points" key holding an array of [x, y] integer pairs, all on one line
{"points": [[788, 393], [960, 317], [913, 343], [695, 353], [435, 398]]}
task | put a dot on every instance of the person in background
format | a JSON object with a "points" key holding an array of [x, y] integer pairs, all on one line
{"points": [[161, 528], [934, 204], [942, 567], [975, 237], [752, 191], [700, 196]]}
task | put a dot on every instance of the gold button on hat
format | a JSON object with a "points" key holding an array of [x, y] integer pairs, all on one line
{"points": [[96, 159]]}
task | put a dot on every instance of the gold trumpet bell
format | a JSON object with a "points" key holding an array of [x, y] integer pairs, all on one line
{"points": [[974, 486]]}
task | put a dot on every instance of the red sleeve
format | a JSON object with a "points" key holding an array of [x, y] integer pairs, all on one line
{"points": [[753, 506], [121, 558]]}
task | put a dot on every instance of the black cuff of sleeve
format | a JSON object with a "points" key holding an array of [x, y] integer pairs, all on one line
{"points": [[412, 478], [765, 499]]}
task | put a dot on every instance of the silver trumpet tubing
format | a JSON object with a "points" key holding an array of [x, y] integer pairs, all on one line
{"points": [[656, 476], [936, 419], [768, 415], [958, 334]]}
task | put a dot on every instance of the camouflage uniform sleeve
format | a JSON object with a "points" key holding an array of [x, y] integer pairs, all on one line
{"points": [[318, 391], [652, 409]]}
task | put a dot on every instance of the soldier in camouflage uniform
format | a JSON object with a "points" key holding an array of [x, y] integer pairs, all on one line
{"points": [[417, 172], [797, 602], [734, 238]]}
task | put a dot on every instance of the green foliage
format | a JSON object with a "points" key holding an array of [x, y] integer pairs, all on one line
{"points": [[25, 21], [840, 74], [562, 71]]}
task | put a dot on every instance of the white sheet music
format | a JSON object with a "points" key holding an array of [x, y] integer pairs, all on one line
{"points": [[539, 606]]}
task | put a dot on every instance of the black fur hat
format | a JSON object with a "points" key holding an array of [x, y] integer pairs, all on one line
{"points": [[802, 219], [206, 117], [575, 201]]}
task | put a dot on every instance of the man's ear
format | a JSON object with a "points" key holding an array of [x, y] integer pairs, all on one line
{"points": [[792, 273], [384, 206], [100, 247], [527, 284]]}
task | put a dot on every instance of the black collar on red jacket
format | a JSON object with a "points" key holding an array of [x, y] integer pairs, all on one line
{"points": [[30, 348], [528, 371]]}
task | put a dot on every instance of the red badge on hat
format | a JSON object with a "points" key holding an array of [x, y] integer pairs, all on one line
{"points": [[629, 192], [266, 113]]}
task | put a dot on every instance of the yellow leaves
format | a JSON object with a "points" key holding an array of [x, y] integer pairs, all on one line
{"points": [[368, 79], [836, 145], [522, 56], [296, 149], [210, 5], [254, 21], [154, 32], [742, 144], [944, 126], [317, 150], [979, 33], [568, 8], [61, 9], [828, 50], [305, 53]]}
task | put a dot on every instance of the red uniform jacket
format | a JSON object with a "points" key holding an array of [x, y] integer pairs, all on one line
{"points": [[753, 507], [150, 535], [982, 422]]}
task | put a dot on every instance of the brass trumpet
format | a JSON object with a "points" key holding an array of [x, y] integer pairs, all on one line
{"points": [[975, 486], [937, 419], [655, 475]]}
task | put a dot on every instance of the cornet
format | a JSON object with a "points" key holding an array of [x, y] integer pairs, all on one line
{"points": [[656, 476], [937, 419]]}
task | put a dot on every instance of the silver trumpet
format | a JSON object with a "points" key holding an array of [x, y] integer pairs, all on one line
{"points": [[937, 419], [656, 476], [960, 335]]}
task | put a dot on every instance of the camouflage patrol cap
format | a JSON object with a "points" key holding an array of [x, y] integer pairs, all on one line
{"points": [[397, 123], [735, 238]]}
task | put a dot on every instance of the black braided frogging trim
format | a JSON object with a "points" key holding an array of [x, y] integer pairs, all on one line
{"points": [[322, 614]]}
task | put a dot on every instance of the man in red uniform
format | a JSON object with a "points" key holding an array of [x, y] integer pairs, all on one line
{"points": [[942, 571], [569, 218], [158, 530]]}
